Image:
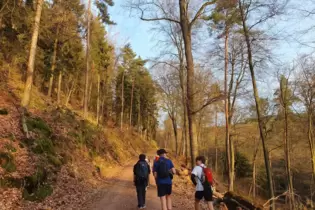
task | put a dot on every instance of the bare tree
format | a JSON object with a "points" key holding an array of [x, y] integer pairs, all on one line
{"points": [[306, 90], [172, 56], [270, 10], [285, 100], [171, 99], [158, 10]]}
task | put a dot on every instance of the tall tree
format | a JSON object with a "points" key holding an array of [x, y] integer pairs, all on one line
{"points": [[306, 93], [285, 96], [30, 67], [225, 16], [87, 57], [272, 9], [168, 11]]}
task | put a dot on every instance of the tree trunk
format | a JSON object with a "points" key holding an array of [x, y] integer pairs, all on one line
{"points": [[131, 103], [184, 102], [216, 141], [122, 100], [256, 96], [186, 30], [287, 154], [311, 141], [70, 92], [90, 91], [98, 99], [31, 60], [232, 153], [139, 115], [59, 87], [53, 65], [175, 132], [254, 179], [87, 57], [226, 111]]}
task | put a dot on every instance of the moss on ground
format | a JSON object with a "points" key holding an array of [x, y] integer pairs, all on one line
{"points": [[4, 111], [43, 146], [11, 182], [39, 194], [7, 162], [38, 125], [10, 147], [55, 160]]}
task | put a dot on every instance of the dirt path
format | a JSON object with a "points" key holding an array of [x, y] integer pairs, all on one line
{"points": [[121, 193]]}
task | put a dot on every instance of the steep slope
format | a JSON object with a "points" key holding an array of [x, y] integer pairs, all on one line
{"points": [[65, 160]]}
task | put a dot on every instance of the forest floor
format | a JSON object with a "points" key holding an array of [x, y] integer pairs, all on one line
{"points": [[120, 193]]}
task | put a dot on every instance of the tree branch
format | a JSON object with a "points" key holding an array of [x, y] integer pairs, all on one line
{"points": [[156, 18], [200, 11], [210, 101]]}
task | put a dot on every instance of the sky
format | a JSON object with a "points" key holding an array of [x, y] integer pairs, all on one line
{"points": [[130, 29]]}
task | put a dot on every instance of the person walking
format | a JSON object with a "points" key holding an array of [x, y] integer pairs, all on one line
{"points": [[163, 172], [202, 178], [141, 171]]}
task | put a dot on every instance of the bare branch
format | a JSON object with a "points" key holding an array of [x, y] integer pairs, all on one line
{"points": [[200, 11], [209, 102], [144, 5]]}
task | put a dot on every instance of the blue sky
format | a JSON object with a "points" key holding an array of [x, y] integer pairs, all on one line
{"points": [[131, 30]]}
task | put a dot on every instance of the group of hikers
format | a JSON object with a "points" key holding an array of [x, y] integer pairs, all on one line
{"points": [[163, 171]]}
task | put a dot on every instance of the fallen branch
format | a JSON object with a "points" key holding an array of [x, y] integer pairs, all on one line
{"points": [[275, 198]]}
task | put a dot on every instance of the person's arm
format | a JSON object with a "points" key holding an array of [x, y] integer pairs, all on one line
{"points": [[154, 170], [134, 174], [173, 170], [194, 175], [193, 179], [149, 169]]}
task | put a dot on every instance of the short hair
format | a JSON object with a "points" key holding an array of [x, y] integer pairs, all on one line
{"points": [[142, 157], [201, 158], [158, 152]]}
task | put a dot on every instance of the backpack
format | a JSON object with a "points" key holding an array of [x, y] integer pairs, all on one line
{"points": [[208, 175], [142, 171], [162, 169]]}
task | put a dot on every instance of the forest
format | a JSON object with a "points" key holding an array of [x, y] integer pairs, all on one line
{"points": [[233, 80]]}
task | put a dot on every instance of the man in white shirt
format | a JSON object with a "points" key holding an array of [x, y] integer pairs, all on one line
{"points": [[198, 178]]}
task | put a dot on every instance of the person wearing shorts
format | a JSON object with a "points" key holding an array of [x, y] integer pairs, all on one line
{"points": [[164, 185], [198, 177]]}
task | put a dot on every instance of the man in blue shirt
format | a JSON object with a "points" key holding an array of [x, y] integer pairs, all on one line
{"points": [[163, 173]]}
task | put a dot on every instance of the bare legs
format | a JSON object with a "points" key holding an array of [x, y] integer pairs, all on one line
{"points": [[209, 204], [166, 202], [163, 203], [169, 202], [197, 206]]}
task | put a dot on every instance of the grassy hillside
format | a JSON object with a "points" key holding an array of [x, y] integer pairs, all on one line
{"points": [[65, 159]]}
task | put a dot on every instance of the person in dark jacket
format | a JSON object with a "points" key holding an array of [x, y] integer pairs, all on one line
{"points": [[141, 171]]}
